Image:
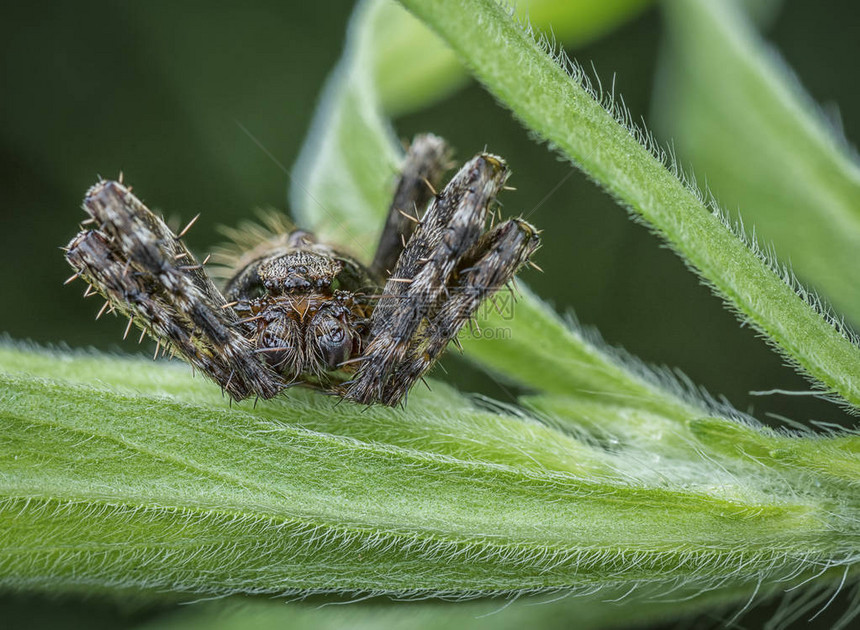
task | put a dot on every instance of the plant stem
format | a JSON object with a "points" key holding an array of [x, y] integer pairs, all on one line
{"points": [[558, 108]]}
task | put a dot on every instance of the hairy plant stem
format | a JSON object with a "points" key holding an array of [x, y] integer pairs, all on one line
{"points": [[559, 109]]}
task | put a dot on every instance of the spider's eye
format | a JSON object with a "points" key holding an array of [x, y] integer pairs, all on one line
{"points": [[333, 341]]}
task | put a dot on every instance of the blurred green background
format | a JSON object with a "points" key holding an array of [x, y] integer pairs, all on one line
{"points": [[159, 89]]}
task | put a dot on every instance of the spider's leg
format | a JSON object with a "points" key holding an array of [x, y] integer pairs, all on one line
{"points": [[488, 267], [423, 167], [449, 230], [131, 293], [145, 271]]}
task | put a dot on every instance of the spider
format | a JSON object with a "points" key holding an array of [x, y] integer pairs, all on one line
{"points": [[297, 311]]}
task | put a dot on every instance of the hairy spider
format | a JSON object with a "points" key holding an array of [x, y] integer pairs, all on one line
{"points": [[296, 311]]}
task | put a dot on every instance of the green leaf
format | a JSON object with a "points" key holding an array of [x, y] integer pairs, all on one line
{"points": [[616, 423], [527, 343], [393, 63], [157, 483], [343, 180], [562, 110], [735, 109], [835, 459]]}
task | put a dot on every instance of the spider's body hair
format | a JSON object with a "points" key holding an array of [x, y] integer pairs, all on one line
{"points": [[250, 240]]}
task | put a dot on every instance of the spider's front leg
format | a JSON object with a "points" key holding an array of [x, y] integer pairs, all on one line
{"points": [[424, 165], [446, 270], [490, 265], [146, 273]]}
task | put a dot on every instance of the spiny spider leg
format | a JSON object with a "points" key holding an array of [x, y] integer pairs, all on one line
{"points": [[424, 165], [448, 231], [491, 264], [135, 260], [135, 297]]}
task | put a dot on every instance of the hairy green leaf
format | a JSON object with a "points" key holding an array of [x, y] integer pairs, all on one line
{"points": [[125, 474]]}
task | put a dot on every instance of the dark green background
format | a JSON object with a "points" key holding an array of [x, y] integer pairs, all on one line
{"points": [[156, 89]]}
